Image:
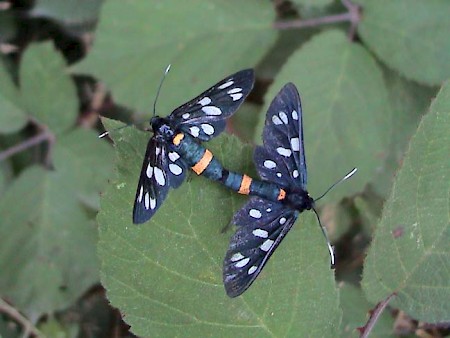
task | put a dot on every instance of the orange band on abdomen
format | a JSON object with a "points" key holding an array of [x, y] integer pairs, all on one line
{"points": [[244, 189], [203, 163], [177, 138], [281, 195]]}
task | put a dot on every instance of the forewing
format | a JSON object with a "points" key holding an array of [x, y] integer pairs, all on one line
{"points": [[177, 168], [153, 182], [283, 140], [204, 117], [262, 226]]}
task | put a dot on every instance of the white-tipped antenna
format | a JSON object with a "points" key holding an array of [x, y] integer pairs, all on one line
{"points": [[324, 231], [107, 132], [159, 88], [154, 103], [349, 174]]}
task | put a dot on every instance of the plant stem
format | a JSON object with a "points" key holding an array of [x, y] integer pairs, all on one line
{"points": [[26, 144], [14, 314], [375, 314], [353, 16]]}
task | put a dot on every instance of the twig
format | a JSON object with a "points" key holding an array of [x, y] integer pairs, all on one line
{"points": [[26, 144], [352, 16], [375, 314], [14, 314]]}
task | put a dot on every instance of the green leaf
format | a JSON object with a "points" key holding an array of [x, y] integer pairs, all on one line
{"points": [[356, 311], [409, 102], [165, 276], [47, 89], [12, 116], [204, 41], [70, 12], [410, 36], [47, 244], [409, 253], [346, 112], [87, 160]]}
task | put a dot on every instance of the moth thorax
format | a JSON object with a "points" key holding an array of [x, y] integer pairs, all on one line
{"points": [[162, 128]]}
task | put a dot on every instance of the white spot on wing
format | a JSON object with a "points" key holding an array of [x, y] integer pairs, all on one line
{"points": [[266, 245], [157, 151], [194, 131], [276, 120], [235, 93], [226, 84], [269, 164], [252, 269], [147, 200], [283, 117], [159, 176], [141, 191], [236, 257], [260, 233], [279, 175], [255, 213], [294, 115], [212, 110], [175, 169], [152, 203], [206, 100], [284, 151], [234, 90], [295, 144], [185, 115], [242, 263], [282, 220], [207, 128], [295, 173], [173, 156], [149, 171], [236, 97]]}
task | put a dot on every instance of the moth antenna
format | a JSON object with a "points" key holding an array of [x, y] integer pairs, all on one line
{"points": [[347, 176], [324, 232], [159, 89]]}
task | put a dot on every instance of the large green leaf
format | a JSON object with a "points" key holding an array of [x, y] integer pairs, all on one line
{"points": [[409, 102], [47, 244], [165, 276], [12, 115], [48, 92], [410, 251], [87, 160], [410, 36], [346, 112], [203, 40]]}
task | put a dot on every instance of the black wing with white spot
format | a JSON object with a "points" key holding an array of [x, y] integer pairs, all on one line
{"points": [[262, 225], [204, 117], [153, 182], [282, 159]]}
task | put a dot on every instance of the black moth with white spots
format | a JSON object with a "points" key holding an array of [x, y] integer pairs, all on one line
{"points": [[262, 224], [202, 118]]}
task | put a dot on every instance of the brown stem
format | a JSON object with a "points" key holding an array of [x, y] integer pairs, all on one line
{"points": [[352, 16], [375, 314], [14, 314], [43, 136]]}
